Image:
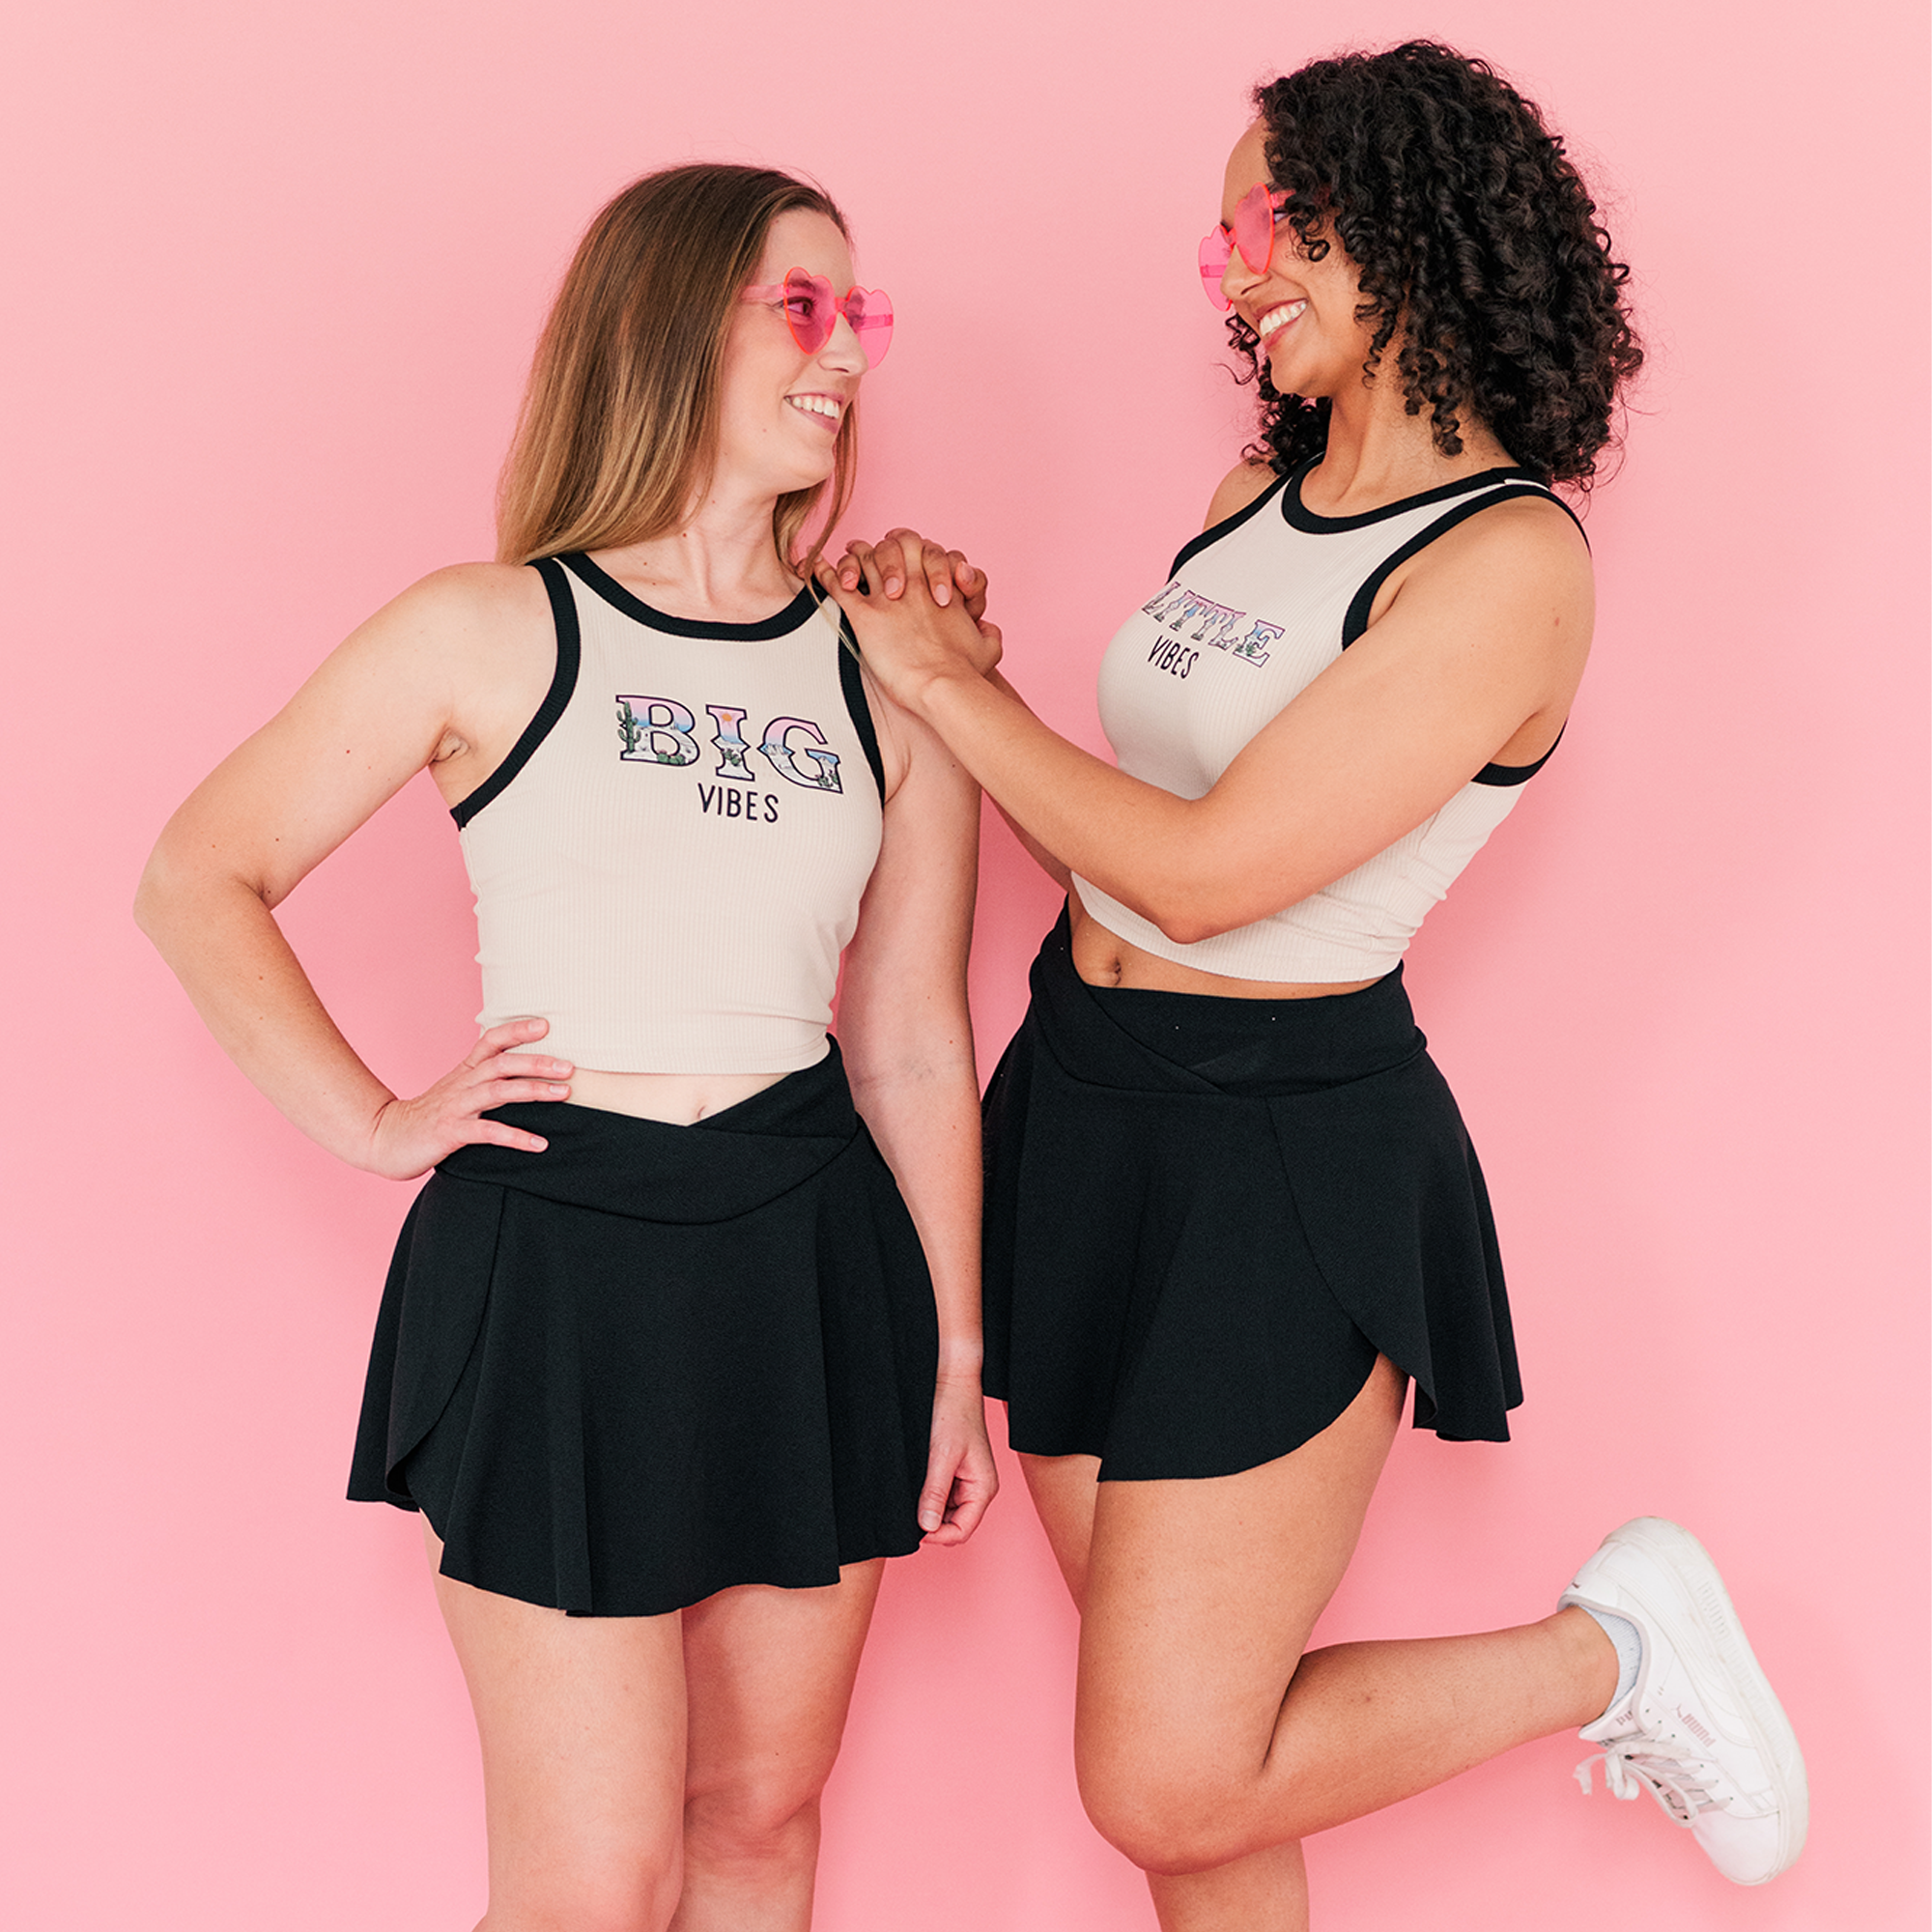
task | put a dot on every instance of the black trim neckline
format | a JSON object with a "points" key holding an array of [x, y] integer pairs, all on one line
{"points": [[1215, 532], [594, 578], [1298, 516]]}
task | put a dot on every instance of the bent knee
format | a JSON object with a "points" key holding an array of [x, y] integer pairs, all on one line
{"points": [[1167, 1826]]}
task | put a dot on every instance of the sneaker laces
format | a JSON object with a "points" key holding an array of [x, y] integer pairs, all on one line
{"points": [[1678, 1784]]}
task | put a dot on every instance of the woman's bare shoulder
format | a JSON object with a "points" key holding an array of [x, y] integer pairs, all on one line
{"points": [[1237, 490], [470, 597]]}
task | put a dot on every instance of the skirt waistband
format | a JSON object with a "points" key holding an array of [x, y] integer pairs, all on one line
{"points": [[1149, 1040], [716, 1169]]}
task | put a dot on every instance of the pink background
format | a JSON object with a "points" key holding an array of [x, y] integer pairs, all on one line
{"points": [[275, 274]]}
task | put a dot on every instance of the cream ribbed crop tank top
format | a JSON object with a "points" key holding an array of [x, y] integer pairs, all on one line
{"points": [[1255, 609], [669, 862]]}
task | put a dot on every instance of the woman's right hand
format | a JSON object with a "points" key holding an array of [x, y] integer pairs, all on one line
{"points": [[409, 1137], [888, 563]]}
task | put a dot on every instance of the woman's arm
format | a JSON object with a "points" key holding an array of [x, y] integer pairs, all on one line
{"points": [[391, 701], [908, 1045], [1485, 632]]}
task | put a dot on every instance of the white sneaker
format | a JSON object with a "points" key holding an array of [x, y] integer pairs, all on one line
{"points": [[1700, 1729]]}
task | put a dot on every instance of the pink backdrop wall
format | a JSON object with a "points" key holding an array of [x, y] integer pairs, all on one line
{"points": [[275, 274]]}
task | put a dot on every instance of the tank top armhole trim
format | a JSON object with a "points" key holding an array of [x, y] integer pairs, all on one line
{"points": [[1215, 532], [1357, 622], [852, 685], [1516, 775], [562, 684], [1364, 599]]}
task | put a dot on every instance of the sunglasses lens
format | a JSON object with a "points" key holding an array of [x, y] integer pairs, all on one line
{"points": [[1254, 227], [808, 309], [1215, 255], [869, 311]]}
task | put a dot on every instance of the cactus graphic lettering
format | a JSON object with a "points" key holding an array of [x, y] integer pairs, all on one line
{"points": [[662, 732], [659, 732], [1215, 624]]}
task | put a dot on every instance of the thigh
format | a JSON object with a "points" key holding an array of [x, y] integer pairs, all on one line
{"points": [[769, 1676], [1201, 1596], [581, 1722], [1064, 1490]]}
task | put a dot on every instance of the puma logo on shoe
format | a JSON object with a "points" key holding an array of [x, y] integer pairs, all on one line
{"points": [[1697, 1729]]}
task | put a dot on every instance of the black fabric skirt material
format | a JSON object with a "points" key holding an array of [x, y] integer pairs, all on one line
{"points": [[655, 1361], [1207, 1217]]}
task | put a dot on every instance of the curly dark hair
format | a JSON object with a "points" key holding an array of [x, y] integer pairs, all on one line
{"points": [[1473, 232]]}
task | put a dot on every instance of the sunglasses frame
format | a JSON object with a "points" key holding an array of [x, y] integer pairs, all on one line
{"points": [[866, 311], [1252, 232]]}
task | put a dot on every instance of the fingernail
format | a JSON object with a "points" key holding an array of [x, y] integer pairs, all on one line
{"points": [[557, 1091], [943, 594]]}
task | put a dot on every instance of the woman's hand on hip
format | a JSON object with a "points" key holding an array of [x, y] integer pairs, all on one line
{"points": [[409, 1137], [960, 1479]]}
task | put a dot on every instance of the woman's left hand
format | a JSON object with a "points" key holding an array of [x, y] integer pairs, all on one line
{"points": [[960, 1479], [886, 565], [908, 637]]}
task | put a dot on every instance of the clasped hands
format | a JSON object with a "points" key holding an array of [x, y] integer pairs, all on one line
{"points": [[918, 610]]}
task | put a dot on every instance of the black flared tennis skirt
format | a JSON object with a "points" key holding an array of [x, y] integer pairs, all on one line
{"points": [[1207, 1217], [655, 1361]]}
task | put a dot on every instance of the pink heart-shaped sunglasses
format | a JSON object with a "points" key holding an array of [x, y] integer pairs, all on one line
{"points": [[812, 312], [1252, 232]]}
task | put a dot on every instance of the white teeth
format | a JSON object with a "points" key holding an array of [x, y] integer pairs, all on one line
{"points": [[818, 406], [1279, 318]]}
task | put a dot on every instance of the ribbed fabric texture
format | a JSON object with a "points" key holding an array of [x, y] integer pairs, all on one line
{"points": [[1256, 610], [671, 873]]}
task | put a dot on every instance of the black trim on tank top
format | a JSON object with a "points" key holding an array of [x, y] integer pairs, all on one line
{"points": [[562, 684], [1298, 516], [852, 683], [1516, 775], [780, 624], [1363, 601], [1215, 532]]}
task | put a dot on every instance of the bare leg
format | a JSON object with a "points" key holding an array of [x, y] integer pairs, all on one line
{"points": [[769, 1675], [582, 1721], [1267, 1892], [1206, 1741]]}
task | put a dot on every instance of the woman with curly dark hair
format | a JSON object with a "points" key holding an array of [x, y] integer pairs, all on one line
{"points": [[1233, 1213]]}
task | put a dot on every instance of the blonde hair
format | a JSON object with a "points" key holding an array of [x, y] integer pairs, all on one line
{"points": [[618, 429]]}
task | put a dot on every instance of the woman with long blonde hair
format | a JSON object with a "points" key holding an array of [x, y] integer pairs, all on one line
{"points": [[681, 1337]]}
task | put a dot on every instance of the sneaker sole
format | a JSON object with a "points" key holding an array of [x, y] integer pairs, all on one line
{"points": [[1689, 1565]]}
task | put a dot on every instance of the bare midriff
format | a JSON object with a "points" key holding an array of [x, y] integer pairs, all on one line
{"points": [[676, 1098], [1103, 958]]}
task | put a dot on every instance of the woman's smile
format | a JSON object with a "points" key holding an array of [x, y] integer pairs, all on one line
{"points": [[1272, 321], [829, 410]]}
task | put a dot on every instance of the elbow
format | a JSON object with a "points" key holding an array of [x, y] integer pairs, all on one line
{"points": [[151, 895], [1191, 925], [162, 898], [1197, 911]]}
